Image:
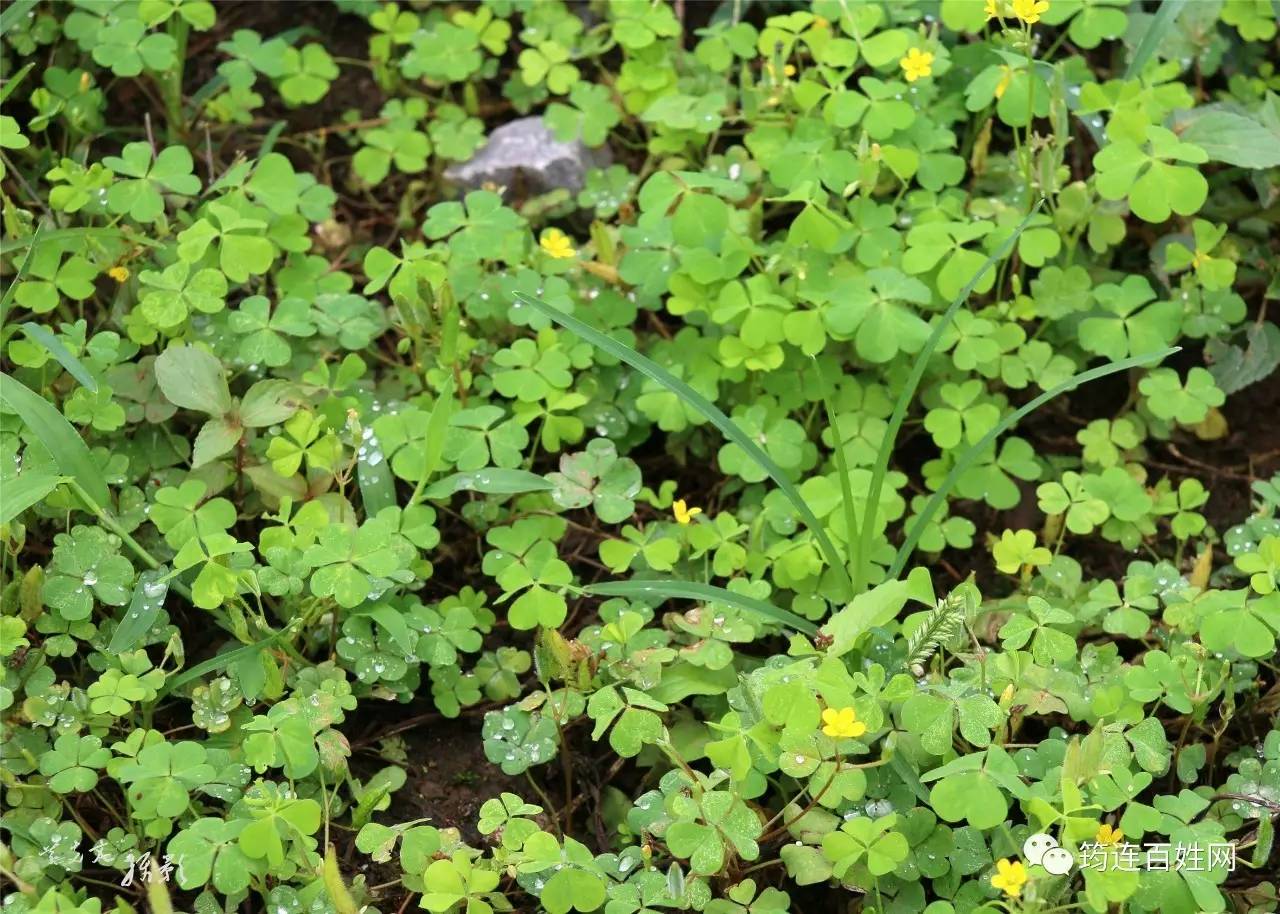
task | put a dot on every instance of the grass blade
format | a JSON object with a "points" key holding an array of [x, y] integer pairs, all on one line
{"points": [[216, 663], [842, 467], [491, 481], [969, 456], [7, 298], [25, 490], [58, 435], [16, 79], [373, 475], [73, 235], [148, 597], [704, 407], [437, 430], [908, 394], [1163, 19], [669, 588], [15, 13], [62, 354]]}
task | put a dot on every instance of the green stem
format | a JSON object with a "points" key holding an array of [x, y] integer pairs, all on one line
{"points": [[172, 87], [114, 526], [25, 888], [1031, 114], [546, 800], [857, 561]]}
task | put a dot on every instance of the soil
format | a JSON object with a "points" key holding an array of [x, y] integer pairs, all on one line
{"points": [[449, 776]]}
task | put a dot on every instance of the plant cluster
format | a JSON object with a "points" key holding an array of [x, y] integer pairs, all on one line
{"points": [[649, 493]]}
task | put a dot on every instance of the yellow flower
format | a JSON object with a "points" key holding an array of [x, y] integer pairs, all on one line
{"points": [[1010, 876], [787, 70], [1029, 11], [684, 514], [992, 10], [820, 23], [1107, 835], [916, 64], [557, 244], [842, 723], [1006, 77], [119, 274]]}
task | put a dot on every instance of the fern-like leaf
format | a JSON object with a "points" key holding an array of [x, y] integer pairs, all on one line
{"points": [[940, 625]]}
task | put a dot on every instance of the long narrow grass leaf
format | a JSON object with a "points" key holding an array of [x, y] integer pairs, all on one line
{"points": [[971, 455], [707, 410], [1162, 21], [7, 298], [23, 491], [908, 391], [226, 658], [148, 597], [669, 588], [73, 234], [437, 430], [62, 354], [373, 476], [57, 434], [846, 485], [490, 481], [15, 13], [16, 79]]}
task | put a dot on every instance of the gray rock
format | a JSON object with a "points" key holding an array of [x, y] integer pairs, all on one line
{"points": [[523, 156]]}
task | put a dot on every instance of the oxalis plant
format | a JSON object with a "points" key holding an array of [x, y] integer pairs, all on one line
{"points": [[853, 570], [857, 492]]}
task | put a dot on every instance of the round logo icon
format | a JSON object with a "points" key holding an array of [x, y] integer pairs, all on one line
{"points": [[1036, 846], [1057, 861]]}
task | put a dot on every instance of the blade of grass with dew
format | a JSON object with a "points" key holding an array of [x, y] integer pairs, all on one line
{"points": [[1161, 22], [707, 410], [61, 354], [437, 428], [908, 394], [842, 467], [669, 588], [58, 435], [15, 13], [490, 481], [148, 598], [971, 455], [221, 660]]}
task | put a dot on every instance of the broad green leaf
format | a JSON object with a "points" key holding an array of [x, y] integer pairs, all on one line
{"points": [[193, 379]]}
